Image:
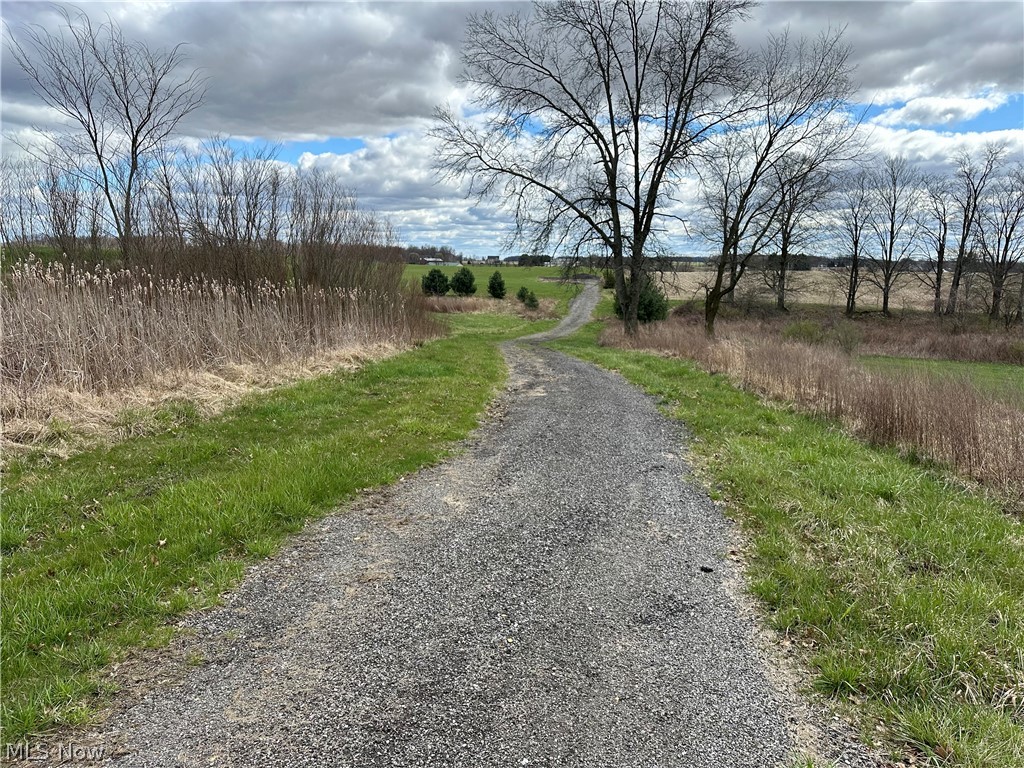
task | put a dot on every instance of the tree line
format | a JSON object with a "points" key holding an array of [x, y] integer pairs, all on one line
{"points": [[116, 186], [593, 120]]}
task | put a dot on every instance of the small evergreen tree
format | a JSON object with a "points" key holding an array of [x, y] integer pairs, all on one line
{"points": [[653, 302], [435, 283], [463, 282], [522, 293], [496, 286], [531, 300]]}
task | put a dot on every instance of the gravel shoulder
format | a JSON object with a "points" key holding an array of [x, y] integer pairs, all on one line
{"points": [[556, 595]]}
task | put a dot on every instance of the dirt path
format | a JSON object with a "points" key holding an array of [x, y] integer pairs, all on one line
{"points": [[555, 596]]}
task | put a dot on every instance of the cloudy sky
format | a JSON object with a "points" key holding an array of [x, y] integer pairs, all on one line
{"points": [[352, 85]]}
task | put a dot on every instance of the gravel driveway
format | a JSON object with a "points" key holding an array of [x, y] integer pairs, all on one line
{"points": [[556, 595]]}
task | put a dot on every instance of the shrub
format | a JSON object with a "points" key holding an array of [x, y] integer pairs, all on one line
{"points": [[608, 278], [805, 331], [531, 300], [496, 286], [435, 283], [653, 303], [522, 293], [463, 282], [847, 336]]}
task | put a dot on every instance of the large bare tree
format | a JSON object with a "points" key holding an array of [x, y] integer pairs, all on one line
{"points": [[795, 98], [968, 186], [934, 218], [803, 189], [587, 115], [854, 225], [121, 98], [896, 190], [1001, 233]]}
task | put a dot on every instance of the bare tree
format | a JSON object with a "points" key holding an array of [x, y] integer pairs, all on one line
{"points": [[895, 196], [796, 93], [1001, 233], [854, 218], [123, 98], [967, 188], [589, 113], [802, 189], [63, 198], [21, 211], [934, 220]]}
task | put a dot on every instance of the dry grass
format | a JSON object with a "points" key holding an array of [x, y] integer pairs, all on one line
{"points": [[86, 354], [448, 305], [915, 334], [826, 288], [57, 422], [546, 309], [948, 419]]}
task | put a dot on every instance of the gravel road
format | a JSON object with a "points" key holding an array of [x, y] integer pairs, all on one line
{"points": [[556, 595]]}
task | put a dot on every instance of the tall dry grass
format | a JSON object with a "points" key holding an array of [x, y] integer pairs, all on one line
{"points": [[100, 331], [946, 419]]}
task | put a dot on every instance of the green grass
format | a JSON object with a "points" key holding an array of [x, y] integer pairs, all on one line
{"points": [[906, 591], [992, 377], [101, 550], [514, 276]]}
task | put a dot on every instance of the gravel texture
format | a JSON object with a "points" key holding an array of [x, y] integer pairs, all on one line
{"points": [[556, 595]]}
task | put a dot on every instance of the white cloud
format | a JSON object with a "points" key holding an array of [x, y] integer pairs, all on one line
{"points": [[940, 110]]}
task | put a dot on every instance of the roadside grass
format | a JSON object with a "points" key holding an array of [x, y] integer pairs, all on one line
{"points": [[902, 589], [515, 277], [997, 378], [102, 550]]}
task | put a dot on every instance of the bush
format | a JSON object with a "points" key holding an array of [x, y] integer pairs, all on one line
{"points": [[522, 293], [805, 331], [496, 286], [435, 283], [463, 282], [531, 300], [653, 303], [608, 278]]}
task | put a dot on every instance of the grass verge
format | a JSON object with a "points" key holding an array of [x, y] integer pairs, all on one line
{"points": [[101, 550], [904, 590]]}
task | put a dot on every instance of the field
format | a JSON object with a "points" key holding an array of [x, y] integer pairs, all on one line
{"points": [[891, 579], [545, 282], [825, 288], [1000, 379]]}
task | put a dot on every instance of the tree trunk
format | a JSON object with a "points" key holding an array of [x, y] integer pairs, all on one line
{"points": [[886, 288], [997, 296], [954, 285], [713, 300], [940, 260], [852, 285], [780, 296]]}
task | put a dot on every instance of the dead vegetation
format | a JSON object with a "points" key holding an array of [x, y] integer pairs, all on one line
{"points": [[947, 419], [546, 309], [98, 355]]}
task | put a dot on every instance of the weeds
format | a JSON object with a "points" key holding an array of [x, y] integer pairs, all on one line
{"points": [[943, 419], [100, 331]]}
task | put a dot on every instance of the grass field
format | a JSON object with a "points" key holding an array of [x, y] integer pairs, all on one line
{"points": [[543, 281], [1001, 379], [101, 550], [902, 590]]}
